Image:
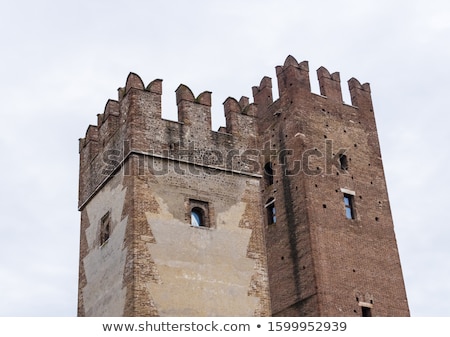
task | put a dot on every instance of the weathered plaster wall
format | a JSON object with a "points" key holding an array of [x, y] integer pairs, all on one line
{"points": [[104, 265], [206, 271], [203, 272]]}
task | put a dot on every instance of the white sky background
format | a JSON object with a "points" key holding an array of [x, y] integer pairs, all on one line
{"points": [[61, 62]]}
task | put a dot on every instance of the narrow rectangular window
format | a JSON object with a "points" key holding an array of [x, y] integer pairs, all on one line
{"points": [[268, 173], [271, 211], [105, 228], [349, 209]]}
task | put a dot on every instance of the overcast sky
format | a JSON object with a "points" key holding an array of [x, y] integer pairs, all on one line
{"points": [[61, 62]]}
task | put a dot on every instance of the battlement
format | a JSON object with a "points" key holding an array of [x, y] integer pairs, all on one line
{"points": [[294, 82], [193, 112], [134, 124]]}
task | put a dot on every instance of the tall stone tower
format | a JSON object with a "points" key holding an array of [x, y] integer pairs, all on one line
{"points": [[283, 212]]}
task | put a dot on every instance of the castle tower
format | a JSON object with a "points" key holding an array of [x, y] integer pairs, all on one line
{"points": [[284, 211], [331, 249]]}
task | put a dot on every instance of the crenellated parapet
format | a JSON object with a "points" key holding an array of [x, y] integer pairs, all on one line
{"points": [[133, 123], [294, 89], [139, 105], [293, 80]]}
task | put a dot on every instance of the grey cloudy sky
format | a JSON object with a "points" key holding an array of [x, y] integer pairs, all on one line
{"points": [[61, 62]]}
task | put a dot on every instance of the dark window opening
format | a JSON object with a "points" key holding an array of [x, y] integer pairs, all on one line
{"points": [[349, 209], [366, 312], [343, 162], [197, 217], [105, 228], [268, 173], [271, 212]]}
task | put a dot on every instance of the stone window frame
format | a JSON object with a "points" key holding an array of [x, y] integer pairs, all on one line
{"points": [[203, 208]]}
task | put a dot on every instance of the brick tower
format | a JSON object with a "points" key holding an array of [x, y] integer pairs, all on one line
{"points": [[283, 212]]}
